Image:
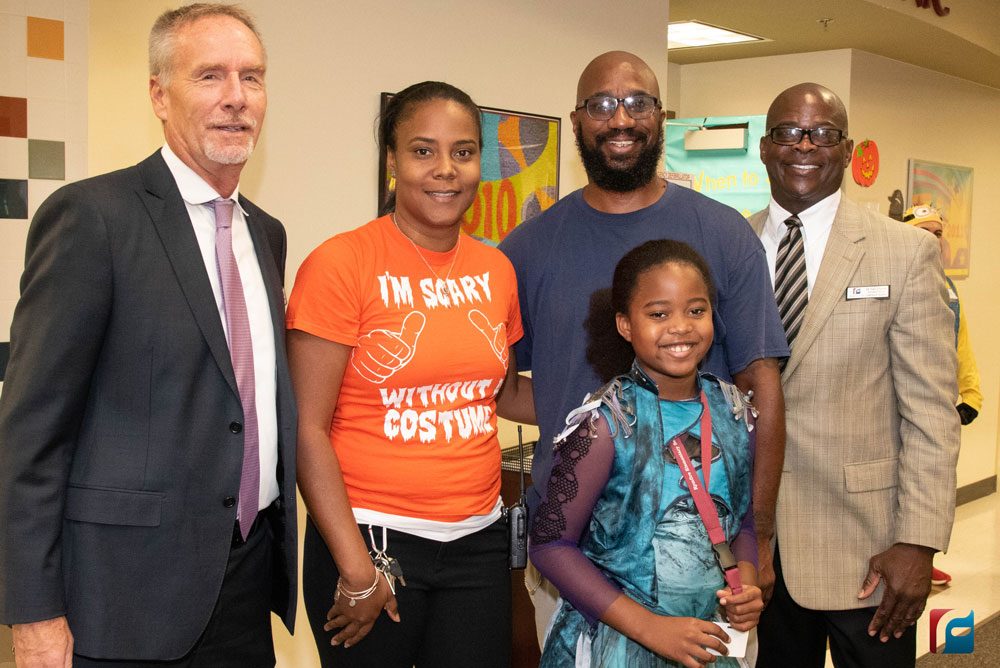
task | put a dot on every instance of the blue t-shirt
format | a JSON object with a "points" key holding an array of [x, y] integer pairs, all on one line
{"points": [[569, 251]]}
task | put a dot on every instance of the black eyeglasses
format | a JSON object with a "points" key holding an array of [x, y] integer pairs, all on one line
{"points": [[603, 107], [822, 137]]}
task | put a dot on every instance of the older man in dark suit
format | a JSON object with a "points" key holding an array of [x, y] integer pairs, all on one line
{"points": [[147, 425]]}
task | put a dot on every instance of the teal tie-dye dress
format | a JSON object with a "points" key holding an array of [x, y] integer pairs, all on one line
{"points": [[644, 534]]}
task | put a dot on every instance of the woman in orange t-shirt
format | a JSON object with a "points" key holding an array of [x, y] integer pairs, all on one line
{"points": [[400, 357]]}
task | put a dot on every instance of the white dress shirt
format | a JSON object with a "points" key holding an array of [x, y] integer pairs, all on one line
{"points": [[816, 223], [197, 196]]}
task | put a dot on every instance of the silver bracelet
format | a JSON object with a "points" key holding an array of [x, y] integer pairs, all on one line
{"points": [[356, 596]]}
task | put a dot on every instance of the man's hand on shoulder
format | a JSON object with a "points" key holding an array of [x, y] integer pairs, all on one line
{"points": [[45, 644], [906, 571]]}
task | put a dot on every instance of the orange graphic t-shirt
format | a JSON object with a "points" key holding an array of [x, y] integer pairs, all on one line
{"points": [[414, 427]]}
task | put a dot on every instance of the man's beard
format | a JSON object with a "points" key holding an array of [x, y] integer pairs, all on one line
{"points": [[220, 149], [229, 154], [605, 175]]}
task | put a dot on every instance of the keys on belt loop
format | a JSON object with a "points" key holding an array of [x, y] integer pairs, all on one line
{"points": [[385, 564]]}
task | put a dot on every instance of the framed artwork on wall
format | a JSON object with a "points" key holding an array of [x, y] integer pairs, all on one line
{"points": [[520, 172], [947, 188]]}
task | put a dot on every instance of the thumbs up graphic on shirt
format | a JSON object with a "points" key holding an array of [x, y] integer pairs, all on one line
{"points": [[495, 335], [381, 353]]}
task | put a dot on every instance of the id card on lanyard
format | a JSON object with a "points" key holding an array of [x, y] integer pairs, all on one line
{"points": [[703, 500]]}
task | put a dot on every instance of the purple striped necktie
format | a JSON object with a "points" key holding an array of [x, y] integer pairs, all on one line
{"points": [[241, 351], [791, 290]]}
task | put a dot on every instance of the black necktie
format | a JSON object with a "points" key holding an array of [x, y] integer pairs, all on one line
{"points": [[790, 287]]}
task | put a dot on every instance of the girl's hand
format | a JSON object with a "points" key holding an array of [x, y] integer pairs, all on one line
{"points": [[742, 610], [683, 639], [355, 622]]}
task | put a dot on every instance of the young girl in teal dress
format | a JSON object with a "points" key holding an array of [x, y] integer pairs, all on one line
{"points": [[619, 533]]}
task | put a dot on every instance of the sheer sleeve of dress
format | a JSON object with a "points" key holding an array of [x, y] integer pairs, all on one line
{"points": [[580, 470], [744, 545]]}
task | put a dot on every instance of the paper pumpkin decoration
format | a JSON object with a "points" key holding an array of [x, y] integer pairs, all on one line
{"points": [[865, 163]]}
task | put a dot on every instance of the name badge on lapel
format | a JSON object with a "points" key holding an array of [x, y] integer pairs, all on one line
{"points": [[868, 292]]}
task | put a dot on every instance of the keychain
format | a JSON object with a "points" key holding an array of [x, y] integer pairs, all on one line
{"points": [[388, 566]]}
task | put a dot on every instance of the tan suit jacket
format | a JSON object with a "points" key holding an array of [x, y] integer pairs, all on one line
{"points": [[872, 431]]}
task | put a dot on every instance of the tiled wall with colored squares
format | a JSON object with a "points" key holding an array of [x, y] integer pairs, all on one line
{"points": [[43, 124]]}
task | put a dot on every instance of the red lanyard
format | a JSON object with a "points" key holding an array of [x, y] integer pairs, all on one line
{"points": [[703, 500]]}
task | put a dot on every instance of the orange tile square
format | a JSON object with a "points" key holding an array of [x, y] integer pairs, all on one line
{"points": [[45, 38]]}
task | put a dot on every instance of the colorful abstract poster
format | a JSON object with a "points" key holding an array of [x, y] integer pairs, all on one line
{"points": [[520, 172], [947, 188], [732, 176]]}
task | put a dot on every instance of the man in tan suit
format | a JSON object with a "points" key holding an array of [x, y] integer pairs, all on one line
{"points": [[868, 486]]}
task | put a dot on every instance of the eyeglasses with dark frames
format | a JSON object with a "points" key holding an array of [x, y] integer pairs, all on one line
{"points": [[603, 107], [822, 137]]}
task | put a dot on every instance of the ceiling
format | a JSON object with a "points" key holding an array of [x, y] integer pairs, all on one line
{"points": [[965, 43]]}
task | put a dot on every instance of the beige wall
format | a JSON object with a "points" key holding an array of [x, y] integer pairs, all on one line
{"points": [[741, 87], [672, 93], [316, 166], [910, 112], [122, 129]]}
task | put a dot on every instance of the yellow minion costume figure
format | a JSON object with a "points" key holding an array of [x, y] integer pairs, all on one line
{"points": [[970, 400]]}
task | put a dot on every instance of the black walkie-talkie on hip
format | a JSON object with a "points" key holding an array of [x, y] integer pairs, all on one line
{"points": [[517, 517]]}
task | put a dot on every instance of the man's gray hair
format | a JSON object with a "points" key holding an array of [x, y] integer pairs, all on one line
{"points": [[162, 37]]}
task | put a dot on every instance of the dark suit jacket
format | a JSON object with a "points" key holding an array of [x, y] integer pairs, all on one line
{"points": [[116, 452]]}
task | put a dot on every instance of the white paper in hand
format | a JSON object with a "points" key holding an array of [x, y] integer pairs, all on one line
{"points": [[737, 644]]}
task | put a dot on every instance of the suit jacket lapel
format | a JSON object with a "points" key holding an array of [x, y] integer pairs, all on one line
{"points": [[173, 225], [840, 260], [269, 270]]}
